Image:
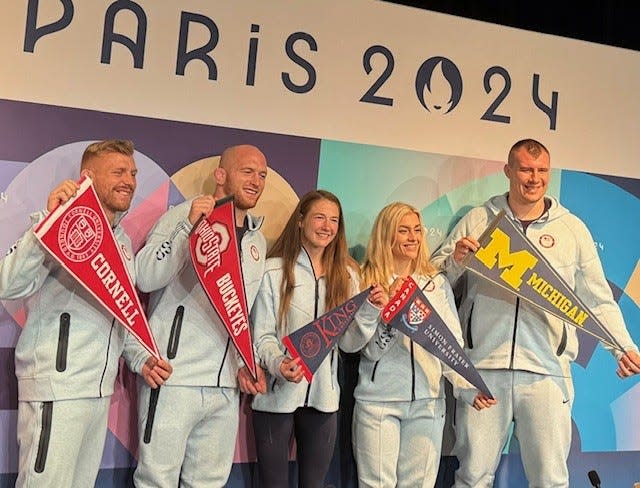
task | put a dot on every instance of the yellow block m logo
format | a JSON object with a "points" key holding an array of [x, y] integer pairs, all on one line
{"points": [[516, 263]]}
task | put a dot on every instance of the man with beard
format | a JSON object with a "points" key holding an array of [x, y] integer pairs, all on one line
{"points": [[191, 440], [68, 352]]}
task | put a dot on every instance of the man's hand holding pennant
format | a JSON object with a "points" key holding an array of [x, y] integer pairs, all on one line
{"points": [[79, 236], [410, 312], [216, 260]]}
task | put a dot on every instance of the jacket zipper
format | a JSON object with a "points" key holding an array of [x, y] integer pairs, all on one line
{"points": [[331, 364], [515, 319], [224, 358], [106, 359], [315, 316], [515, 330], [413, 373]]}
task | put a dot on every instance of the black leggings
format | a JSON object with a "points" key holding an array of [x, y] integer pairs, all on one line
{"points": [[315, 434]]}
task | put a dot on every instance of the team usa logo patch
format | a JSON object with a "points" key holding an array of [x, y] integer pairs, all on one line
{"points": [[80, 234], [310, 345], [255, 254], [547, 241]]}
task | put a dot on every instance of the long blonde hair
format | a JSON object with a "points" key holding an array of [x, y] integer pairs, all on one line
{"points": [[378, 264], [335, 258]]}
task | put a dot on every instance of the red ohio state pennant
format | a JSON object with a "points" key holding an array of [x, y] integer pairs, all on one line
{"points": [[214, 253], [79, 236]]}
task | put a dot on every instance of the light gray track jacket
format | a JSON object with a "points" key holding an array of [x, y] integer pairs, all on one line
{"points": [[70, 345], [205, 355], [503, 332]]}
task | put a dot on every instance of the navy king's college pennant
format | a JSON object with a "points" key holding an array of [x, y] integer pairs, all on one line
{"points": [[410, 312], [313, 342], [507, 258], [216, 260], [79, 236]]}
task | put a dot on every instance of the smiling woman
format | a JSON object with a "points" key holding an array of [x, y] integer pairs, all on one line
{"points": [[319, 227], [400, 393], [307, 272]]}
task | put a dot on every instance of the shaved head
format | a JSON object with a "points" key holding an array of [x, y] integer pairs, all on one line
{"points": [[241, 172]]}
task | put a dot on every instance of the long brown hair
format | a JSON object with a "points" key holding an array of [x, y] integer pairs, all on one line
{"points": [[335, 258], [378, 261]]}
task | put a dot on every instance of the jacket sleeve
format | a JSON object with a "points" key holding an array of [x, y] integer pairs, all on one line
{"points": [[266, 342], [135, 355], [382, 340], [361, 329], [23, 269], [363, 325], [166, 251], [592, 287]]}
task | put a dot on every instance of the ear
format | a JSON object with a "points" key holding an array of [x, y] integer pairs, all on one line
{"points": [[220, 175], [87, 172], [507, 171]]}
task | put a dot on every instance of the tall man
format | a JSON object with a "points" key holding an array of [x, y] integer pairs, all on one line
{"points": [[196, 419], [524, 354], [68, 352]]}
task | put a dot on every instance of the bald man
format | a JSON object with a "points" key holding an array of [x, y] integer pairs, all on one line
{"points": [[68, 352], [192, 436]]}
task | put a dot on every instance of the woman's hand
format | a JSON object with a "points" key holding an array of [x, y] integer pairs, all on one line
{"points": [[291, 370], [378, 297]]}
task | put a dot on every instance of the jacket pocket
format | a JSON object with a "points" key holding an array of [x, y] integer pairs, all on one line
{"points": [[63, 342], [563, 341], [45, 434], [174, 337], [373, 372], [469, 335]]}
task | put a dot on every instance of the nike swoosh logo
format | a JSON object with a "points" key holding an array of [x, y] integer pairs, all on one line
{"points": [[565, 401]]}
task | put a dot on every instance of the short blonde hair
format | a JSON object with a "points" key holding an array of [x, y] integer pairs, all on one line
{"points": [[107, 146], [531, 146]]}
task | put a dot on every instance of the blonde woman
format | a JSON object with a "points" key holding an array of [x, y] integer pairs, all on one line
{"points": [[400, 407]]}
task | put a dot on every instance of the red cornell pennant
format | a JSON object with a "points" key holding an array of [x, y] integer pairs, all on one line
{"points": [[79, 236], [214, 253]]}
